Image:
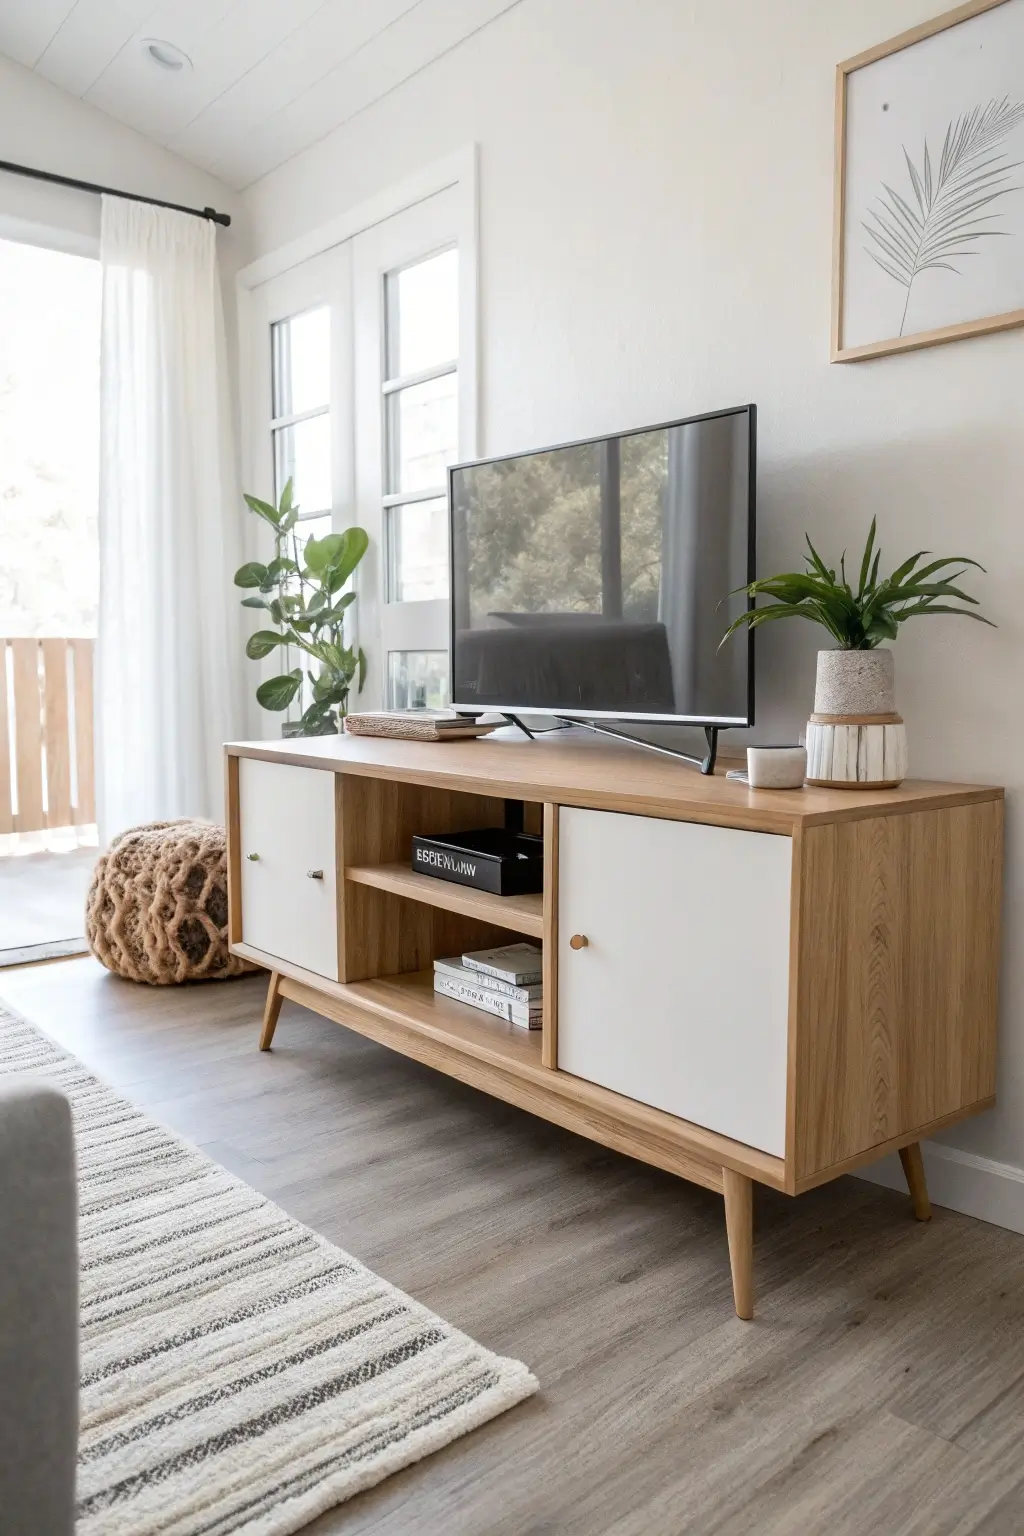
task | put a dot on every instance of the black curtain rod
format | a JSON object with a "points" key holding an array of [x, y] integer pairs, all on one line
{"points": [[132, 197]]}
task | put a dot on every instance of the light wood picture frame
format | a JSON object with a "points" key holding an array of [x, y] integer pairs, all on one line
{"points": [[929, 185]]}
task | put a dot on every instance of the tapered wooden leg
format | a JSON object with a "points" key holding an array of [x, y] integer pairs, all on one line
{"points": [[271, 1010], [913, 1167], [739, 1226]]}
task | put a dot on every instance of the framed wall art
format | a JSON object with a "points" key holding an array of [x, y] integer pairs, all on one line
{"points": [[929, 184]]}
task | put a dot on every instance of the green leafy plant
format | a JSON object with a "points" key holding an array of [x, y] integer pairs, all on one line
{"points": [[301, 591], [859, 620]]}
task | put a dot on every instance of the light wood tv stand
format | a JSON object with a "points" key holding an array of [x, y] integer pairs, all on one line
{"points": [[770, 987]]}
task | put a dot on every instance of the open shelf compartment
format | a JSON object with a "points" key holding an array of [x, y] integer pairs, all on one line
{"points": [[520, 914]]}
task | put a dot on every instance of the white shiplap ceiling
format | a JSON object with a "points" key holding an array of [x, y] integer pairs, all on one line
{"points": [[268, 77]]}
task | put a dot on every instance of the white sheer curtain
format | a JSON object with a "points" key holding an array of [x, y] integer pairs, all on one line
{"points": [[168, 652]]}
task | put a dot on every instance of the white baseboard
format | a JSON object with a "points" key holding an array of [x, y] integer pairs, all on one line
{"points": [[962, 1181]]}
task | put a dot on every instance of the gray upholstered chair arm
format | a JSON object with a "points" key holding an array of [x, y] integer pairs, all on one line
{"points": [[38, 1313]]}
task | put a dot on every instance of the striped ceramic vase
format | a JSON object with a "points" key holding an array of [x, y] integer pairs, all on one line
{"points": [[855, 738]]}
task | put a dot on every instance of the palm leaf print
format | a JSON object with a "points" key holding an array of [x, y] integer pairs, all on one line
{"points": [[942, 217]]}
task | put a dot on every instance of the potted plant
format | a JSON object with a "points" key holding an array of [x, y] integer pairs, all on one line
{"points": [[855, 737], [301, 591]]}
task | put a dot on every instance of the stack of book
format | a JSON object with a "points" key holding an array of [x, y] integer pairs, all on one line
{"points": [[505, 981], [416, 725]]}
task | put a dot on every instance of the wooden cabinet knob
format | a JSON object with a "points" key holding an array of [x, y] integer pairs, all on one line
{"points": [[578, 941]]}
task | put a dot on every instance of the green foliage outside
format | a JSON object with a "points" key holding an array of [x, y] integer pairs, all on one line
{"points": [[535, 531]]}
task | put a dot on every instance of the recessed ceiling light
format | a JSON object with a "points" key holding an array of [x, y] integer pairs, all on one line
{"points": [[165, 54]]}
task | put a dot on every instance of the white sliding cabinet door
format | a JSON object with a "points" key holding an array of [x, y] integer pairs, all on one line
{"points": [[414, 335]]}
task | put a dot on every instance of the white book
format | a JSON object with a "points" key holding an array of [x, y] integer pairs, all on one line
{"points": [[455, 967], [488, 1002], [518, 964]]}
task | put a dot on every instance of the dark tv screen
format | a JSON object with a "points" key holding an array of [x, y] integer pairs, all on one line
{"points": [[593, 579]]}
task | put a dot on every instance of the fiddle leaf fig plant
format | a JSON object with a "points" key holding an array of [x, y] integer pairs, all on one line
{"points": [[300, 589], [862, 618]]}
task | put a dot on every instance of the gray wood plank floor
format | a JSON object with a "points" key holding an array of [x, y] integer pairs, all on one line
{"points": [[879, 1392]]}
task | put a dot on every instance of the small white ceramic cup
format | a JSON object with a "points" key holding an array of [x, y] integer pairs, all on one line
{"points": [[776, 767]]}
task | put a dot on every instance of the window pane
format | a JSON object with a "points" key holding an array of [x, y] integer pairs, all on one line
{"points": [[49, 443], [423, 314], [302, 453], [423, 433], [302, 362], [418, 551], [417, 679]]}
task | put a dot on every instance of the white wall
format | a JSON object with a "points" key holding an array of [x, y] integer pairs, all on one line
{"points": [[656, 207], [42, 126]]}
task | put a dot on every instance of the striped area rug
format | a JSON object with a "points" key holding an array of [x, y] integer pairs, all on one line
{"points": [[239, 1374]]}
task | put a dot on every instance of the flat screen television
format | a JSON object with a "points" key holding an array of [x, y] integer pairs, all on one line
{"points": [[592, 580]]}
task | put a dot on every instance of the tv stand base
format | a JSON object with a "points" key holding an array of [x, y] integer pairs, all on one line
{"points": [[706, 764]]}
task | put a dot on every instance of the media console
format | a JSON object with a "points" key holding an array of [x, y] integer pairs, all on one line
{"points": [[741, 986]]}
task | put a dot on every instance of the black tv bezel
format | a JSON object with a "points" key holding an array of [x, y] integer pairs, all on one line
{"points": [[721, 722]]}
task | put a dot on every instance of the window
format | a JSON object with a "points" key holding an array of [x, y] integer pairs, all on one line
{"points": [[301, 424], [421, 438], [418, 679], [49, 441], [362, 373], [49, 559]]}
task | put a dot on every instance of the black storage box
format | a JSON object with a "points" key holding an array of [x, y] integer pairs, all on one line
{"points": [[496, 859]]}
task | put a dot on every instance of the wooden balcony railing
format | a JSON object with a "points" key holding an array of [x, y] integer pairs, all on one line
{"points": [[47, 776]]}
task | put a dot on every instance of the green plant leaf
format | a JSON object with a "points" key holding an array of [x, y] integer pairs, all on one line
{"points": [[927, 606], [276, 611], [936, 566], [322, 685], [254, 602], [263, 509], [287, 496], [251, 574], [321, 553], [818, 563], [336, 613], [905, 569], [354, 544], [936, 589], [882, 627], [861, 620], [280, 566], [865, 564], [362, 669], [262, 643], [755, 617], [289, 519], [278, 692]]}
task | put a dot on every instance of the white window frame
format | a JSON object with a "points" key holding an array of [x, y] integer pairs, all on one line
{"points": [[393, 385], [457, 171]]}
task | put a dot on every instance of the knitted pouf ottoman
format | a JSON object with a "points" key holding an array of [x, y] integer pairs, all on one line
{"points": [[157, 908]]}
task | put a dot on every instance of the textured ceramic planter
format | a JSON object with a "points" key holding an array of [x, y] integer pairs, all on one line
{"points": [[855, 683], [855, 738]]}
